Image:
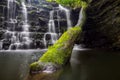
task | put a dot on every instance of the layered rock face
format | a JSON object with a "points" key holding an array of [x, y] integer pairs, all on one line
{"points": [[38, 18], [3, 16], [102, 28]]}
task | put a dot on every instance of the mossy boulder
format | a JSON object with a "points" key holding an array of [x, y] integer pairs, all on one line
{"points": [[58, 54]]}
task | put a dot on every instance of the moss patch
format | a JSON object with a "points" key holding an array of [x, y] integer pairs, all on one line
{"points": [[72, 3], [60, 52]]}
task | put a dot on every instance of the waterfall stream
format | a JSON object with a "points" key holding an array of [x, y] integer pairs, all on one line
{"points": [[67, 12], [18, 39], [52, 26], [21, 40], [80, 22], [18, 35], [51, 29], [80, 17]]}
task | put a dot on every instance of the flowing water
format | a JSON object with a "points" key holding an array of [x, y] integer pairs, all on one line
{"points": [[80, 17], [22, 38], [51, 30], [84, 65], [18, 36], [67, 12], [18, 39], [51, 24]]}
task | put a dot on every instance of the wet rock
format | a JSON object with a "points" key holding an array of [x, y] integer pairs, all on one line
{"points": [[40, 44], [102, 28], [39, 67], [38, 18], [74, 16], [6, 44]]}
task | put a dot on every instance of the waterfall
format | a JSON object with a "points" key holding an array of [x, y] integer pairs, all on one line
{"points": [[11, 13], [11, 9], [51, 29], [18, 39], [52, 26], [80, 21], [1, 45], [80, 17], [17, 33], [24, 11], [67, 12]]}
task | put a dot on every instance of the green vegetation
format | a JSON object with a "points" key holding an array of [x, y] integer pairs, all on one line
{"points": [[60, 52], [36, 66], [62, 48], [72, 3]]}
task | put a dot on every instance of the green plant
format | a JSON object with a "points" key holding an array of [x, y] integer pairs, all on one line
{"points": [[69, 3]]}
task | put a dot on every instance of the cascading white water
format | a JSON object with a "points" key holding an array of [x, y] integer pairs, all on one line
{"points": [[51, 29], [24, 11], [17, 33], [67, 12], [20, 39], [52, 26], [80, 21], [11, 13], [1, 45], [11, 19], [80, 17]]}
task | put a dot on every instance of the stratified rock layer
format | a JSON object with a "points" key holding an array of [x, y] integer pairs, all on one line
{"points": [[38, 18], [102, 28]]}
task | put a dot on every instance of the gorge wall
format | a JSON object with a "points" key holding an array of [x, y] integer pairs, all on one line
{"points": [[102, 28], [38, 14]]}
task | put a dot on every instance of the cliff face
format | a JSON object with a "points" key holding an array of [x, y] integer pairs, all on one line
{"points": [[38, 18], [102, 28]]}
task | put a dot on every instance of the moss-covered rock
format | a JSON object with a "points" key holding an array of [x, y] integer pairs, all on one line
{"points": [[36, 66], [58, 54], [45, 76], [62, 48]]}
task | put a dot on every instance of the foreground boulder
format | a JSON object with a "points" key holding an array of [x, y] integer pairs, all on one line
{"points": [[59, 54]]}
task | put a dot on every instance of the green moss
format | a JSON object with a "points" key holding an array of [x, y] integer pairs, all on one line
{"points": [[61, 50], [36, 66], [71, 3]]}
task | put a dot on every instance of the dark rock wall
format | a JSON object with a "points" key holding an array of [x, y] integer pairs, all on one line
{"points": [[3, 9], [102, 28], [38, 17]]}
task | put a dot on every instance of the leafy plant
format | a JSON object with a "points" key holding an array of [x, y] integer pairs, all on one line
{"points": [[70, 3]]}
